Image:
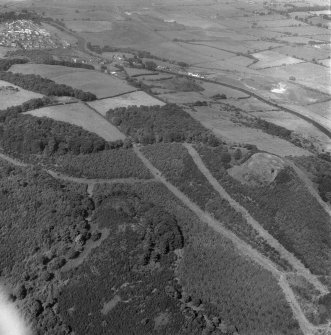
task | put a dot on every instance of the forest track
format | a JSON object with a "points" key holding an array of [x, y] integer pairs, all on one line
{"points": [[309, 185], [284, 253], [244, 248]]}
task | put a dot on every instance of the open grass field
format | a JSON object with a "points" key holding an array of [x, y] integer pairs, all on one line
{"points": [[273, 59], [10, 97], [292, 122], [82, 116], [138, 98], [304, 52], [219, 122], [133, 72], [182, 97], [323, 109], [211, 89], [88, 26], [307, 74], [102, 85]]}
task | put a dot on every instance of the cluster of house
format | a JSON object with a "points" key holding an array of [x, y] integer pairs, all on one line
{"points": [[27, 35]]}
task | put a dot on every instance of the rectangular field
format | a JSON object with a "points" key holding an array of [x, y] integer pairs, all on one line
{"points": [[220, 123], [307, 74], [11, 95], [138, 98], [102, 85], [81, 115], [272, 59]]}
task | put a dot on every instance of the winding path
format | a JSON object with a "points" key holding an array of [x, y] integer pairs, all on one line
{"points": [[295, 263]]}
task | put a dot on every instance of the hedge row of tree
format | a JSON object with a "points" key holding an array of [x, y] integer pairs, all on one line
{"points": [[11, 112], [45, 57], [150, 124], [286, 209], [45, 86], [6, 63]]}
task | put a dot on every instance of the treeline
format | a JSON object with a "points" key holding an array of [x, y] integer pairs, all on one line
{"points": [[22, 15], [24, 135], [44, 57], [5, 64], [11, 112], [45, 86], [151, 124], [286, 209]]}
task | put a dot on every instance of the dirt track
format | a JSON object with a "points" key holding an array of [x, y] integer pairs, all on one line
{"points": [[295, 263], [306, 327]]}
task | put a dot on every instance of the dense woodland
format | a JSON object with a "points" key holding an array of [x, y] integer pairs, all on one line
{"points": [[178, 167], [44, 86], [6, 63], [121, 163], [24, 135], [285, 208], [39, 219], [251, 304], [320, 172], [168, 123]]}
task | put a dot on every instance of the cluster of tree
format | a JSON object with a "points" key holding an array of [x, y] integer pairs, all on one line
{"points": [[178, 167], [150, 124], [161, 234], [31, 104], [6, 63], [21, 15], [25, 135], [320, 171], [40, 218], [121, 163], [45, 57], [250, 304], [286, 209], [272, 129], [118, 262], [45, 86]]}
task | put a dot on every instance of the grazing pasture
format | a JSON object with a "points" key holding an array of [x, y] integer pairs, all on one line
{"points": [[307, 74], [219, 121], [211, 89], [138, 98], [272, 59], [11, 95], [102, 85], [81, 115], [88, 26], [304, 52], [323, 109]]}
